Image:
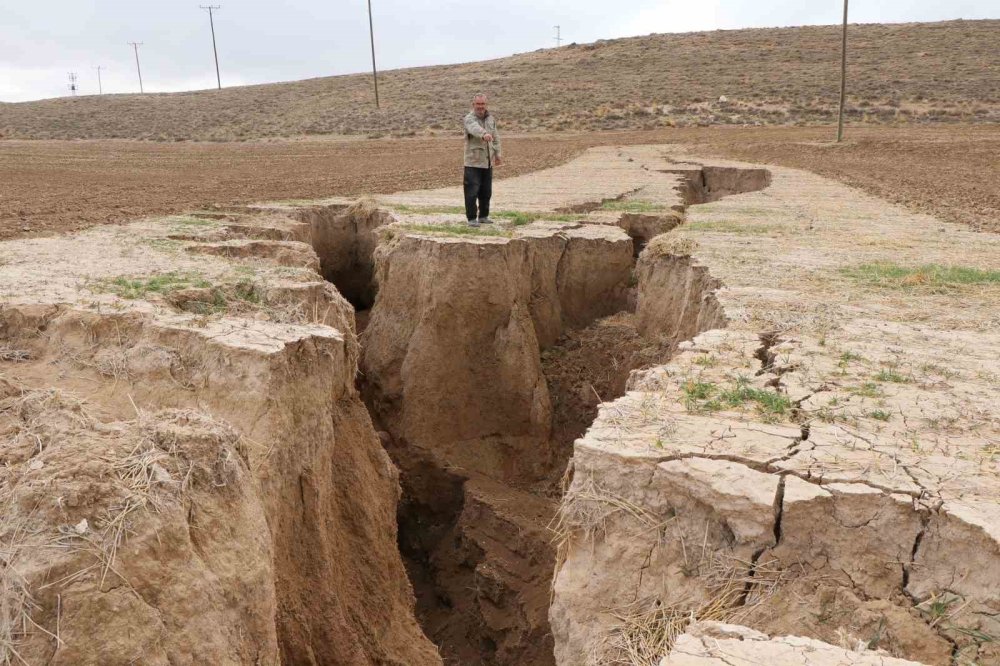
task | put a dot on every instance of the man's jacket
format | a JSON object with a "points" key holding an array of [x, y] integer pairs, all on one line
{"points": [[478, 153]]}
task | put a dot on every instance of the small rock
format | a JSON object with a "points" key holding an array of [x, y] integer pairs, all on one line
{"points": [[36, 464], [81, 527]]}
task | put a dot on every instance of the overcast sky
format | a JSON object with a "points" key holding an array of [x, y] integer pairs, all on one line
{"points": [[260, 41]]}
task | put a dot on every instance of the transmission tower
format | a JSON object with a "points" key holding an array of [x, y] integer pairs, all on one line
{"points": [[558, 36], [215, 51], [136, 45], [72, 83]]}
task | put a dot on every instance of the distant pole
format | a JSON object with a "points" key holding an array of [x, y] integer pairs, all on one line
{"points": [[558, 36], [371, 32], [72, 83], [215, 51], [100, 88], [843, 78], [136, 45]]}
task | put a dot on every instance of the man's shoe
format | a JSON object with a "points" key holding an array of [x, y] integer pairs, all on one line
{"points": [[473, 223], [485, 220]]}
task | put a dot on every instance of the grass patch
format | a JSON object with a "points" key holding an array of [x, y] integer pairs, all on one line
{"points": [[188, 221], [879, 415], [429, 210], [847, 357], [707, 397], [516, 217], [868, 390], [456, 230], [633, 206], [140, 287], [727, 227], [519, 218], [933, 276], [890, 375]]}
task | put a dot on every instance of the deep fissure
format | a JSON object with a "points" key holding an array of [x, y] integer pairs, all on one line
{"points": [[475, 537]]}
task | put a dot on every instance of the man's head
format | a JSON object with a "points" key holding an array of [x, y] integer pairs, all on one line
{"points": [[479, 105]]}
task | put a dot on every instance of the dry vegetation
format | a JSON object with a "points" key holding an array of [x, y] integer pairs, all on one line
{"points": [[900, 74]]}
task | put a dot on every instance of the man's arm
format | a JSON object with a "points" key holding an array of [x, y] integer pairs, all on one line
{"points": [[497, 149], [474, 128]]}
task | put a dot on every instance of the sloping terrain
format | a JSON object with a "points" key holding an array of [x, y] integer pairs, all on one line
{"points": [[903, 73]]}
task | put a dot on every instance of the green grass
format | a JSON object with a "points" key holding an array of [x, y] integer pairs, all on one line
{"points": [[188, 221], [429, 210], [847, 357], [890, 375], [707, 397], [140, 287], [457, 230], [726, 227], [879, 415], [933, 276], [868, 390], [633, 206], [515, 217], [519, 218]]}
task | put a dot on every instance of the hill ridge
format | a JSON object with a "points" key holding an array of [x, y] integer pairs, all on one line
{"points": [[900, 73]]}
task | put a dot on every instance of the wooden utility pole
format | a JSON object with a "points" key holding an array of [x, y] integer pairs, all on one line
{"points": [[843, 78], [215, 51], [136, 45], [100, 88], [371, 32]]}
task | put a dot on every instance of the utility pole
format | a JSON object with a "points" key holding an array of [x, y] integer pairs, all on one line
{"points": [[72, 83], [558, 36], [371, 32], [843, 78], [211, 22], [136, 45], [100, 88]]}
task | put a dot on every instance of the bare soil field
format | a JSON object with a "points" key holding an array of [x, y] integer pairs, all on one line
{"points": [[899, 74], [57, 186]]}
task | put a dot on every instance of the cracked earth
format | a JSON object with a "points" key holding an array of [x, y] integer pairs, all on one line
{"points": [[652, 416]]}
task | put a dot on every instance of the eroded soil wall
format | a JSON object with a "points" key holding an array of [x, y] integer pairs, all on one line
{"points": [[482, 361]]}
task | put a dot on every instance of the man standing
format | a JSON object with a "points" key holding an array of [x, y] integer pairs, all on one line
{"points": [[482, 153]]}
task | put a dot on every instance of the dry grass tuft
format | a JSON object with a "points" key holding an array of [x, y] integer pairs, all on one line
{"points": [[587, 508], [670, 244]]}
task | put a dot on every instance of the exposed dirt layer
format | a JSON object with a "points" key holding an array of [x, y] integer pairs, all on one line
{"points": [[189, 475], [915, 72]]}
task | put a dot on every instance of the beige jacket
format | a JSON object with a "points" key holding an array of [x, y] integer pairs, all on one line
{"points": [[478, 153]]}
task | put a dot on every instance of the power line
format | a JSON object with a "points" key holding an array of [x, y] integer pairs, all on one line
{"points": [[136, 45], [100, 88], [558, 36], [72, 83], [843, 79], [371, 32], [215, 51]]}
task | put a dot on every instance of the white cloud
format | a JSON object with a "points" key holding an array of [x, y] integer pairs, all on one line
{"points": [[675, 16]]}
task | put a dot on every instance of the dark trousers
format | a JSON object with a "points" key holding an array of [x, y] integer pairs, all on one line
{"points": [[478, 185]]}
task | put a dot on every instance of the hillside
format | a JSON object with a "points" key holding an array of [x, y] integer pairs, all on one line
{"points": [[901, 73]]}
